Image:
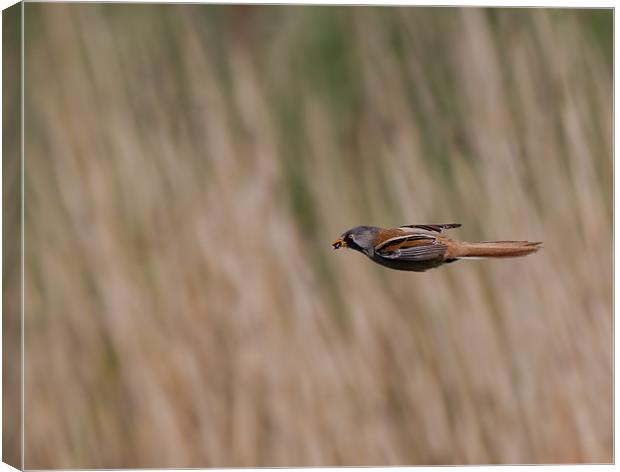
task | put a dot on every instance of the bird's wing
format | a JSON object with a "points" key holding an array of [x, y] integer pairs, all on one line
{"points": [[413, 247], [435, 228]]}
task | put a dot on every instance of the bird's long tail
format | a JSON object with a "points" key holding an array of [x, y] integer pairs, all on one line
{"points": [[496, 249]]}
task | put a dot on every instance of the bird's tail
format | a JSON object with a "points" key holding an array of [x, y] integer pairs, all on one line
{"points": [[497, 249]]}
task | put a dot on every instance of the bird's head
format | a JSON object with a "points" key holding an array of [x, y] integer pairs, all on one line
{"points": [[359, 238]]}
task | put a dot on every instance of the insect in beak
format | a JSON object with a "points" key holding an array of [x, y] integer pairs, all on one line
{"points": [[338, 243]]}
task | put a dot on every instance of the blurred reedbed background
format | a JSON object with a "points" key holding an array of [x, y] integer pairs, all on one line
{"points": [[186, 168]]}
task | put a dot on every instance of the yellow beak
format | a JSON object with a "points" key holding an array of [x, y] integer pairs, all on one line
{"points": [[338, 243]]}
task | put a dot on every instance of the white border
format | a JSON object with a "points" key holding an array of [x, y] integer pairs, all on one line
{"points": [[448, 3]]}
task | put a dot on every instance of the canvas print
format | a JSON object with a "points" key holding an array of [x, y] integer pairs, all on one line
{"points": [[293, 236]]}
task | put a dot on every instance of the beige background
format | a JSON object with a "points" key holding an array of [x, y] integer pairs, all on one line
{"points": [[186, 170]]}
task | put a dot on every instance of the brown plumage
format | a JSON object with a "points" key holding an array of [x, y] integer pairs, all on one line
{"points": [[459, 249], [421, 247]]}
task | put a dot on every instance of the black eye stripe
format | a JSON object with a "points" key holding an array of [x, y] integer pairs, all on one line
{"points": [[351, 242]]}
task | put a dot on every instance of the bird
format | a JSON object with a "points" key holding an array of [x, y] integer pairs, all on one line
{"points": [[418, 248]]}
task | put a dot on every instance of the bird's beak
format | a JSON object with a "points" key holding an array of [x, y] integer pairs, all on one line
{"points": [[338, 243]]}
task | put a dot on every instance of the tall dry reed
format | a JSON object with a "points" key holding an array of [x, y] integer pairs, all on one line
{"points": [[187, 167]]}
